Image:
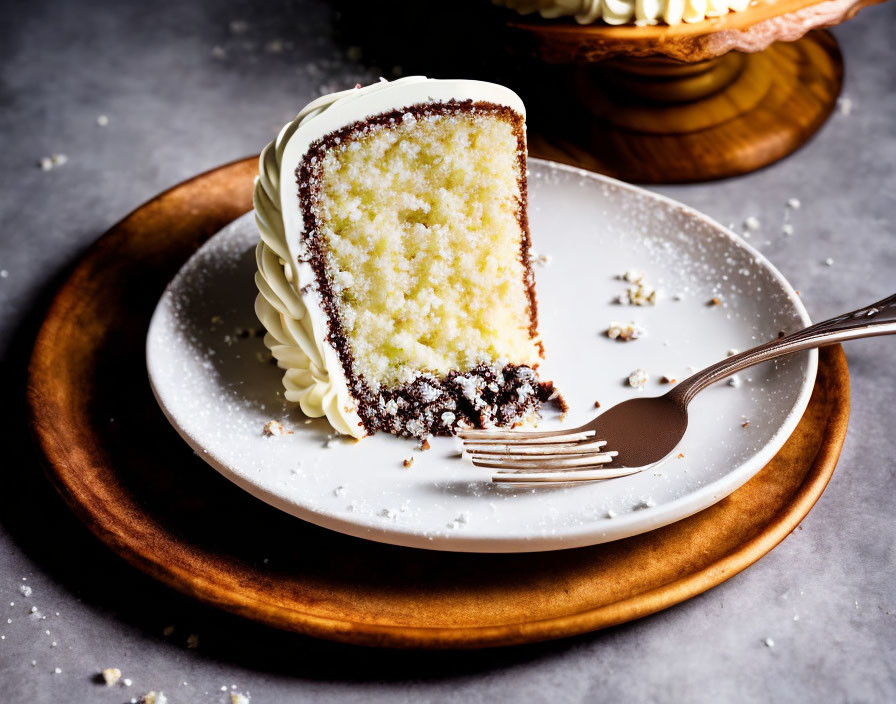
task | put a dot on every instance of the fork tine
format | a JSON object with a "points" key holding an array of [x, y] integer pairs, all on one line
{"points": [[582, 448], [541, 464], [580, 475], [520, 435], [527, 439]]}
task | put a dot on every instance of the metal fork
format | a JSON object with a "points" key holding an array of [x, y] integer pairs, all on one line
{"points": [[643, 431]]}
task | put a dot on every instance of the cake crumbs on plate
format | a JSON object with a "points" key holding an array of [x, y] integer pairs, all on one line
{"points": [[745, 424], [597, 404], [540, 259], [714, 301], [461, 520], [111, 675], [237, 698], [734, 381], [408, 462], [424, 445], [623, 332], [640, 293], [273, 428], [681, 455], [637, 379], [666, 379]]}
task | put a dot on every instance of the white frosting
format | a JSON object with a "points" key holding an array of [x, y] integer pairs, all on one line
{"points": [[623, 11], [288, 304]]}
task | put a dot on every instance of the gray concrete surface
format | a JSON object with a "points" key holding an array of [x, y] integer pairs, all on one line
{"points": [[177, 106]]}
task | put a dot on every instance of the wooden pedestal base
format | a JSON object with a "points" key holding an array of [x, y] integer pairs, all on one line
{"points": [[656, 120]]}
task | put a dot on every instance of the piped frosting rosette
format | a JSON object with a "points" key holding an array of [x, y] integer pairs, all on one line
{"points": [[616, 12]]}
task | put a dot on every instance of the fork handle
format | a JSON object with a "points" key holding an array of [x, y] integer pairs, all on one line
{"points": [[876, 319]]}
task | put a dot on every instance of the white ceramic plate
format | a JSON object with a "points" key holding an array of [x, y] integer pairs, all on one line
{"points": [[218, 389]]}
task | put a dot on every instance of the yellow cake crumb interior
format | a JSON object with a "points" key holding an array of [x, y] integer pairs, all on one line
{"points": [[420, 221]]}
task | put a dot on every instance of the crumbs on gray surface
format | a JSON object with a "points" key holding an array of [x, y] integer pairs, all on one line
{"points": [[623, 332], [734, 381], [644, 503], [111, 675], [238, 27], [4, 274], [752, 223], [48, 163], [153, 697], [339, 491], [637, 379], [769, 643], [102, 120], [25, 589], [787, 229], [275, 46], [794, 203], [829, 262], [388, 513], [844, 104], [237, 698]]}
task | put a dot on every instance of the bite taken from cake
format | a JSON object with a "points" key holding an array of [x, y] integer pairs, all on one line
{"points": [[394, 276]]}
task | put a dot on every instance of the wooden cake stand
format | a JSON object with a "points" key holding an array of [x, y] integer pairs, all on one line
{"points": [[692, 102]]}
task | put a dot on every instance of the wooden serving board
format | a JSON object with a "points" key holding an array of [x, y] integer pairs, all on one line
{"points": [[141, 490]]}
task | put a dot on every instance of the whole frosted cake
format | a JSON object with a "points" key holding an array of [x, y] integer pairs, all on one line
{"points": [[641, 12], [393, 268]]}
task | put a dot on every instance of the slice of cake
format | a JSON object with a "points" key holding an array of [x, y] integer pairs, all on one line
{"points": [[393, 267]]}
